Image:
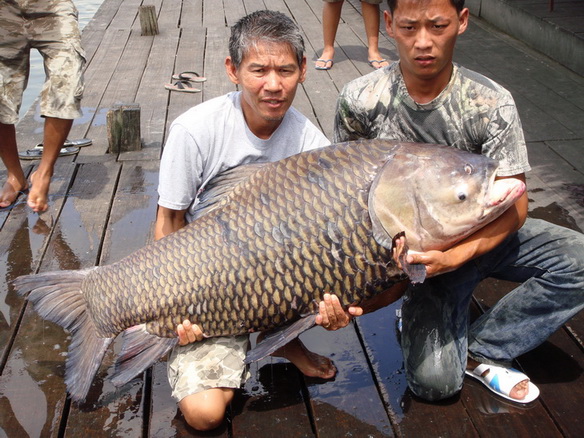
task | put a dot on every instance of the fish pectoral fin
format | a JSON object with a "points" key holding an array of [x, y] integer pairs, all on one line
{"points": [[416, 272], [279, 338], [139, 351]]}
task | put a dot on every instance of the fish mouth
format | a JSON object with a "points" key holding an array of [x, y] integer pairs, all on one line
{"points": [[502, 193]]}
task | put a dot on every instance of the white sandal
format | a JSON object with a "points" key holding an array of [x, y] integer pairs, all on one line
{"points": [[502, 380]]}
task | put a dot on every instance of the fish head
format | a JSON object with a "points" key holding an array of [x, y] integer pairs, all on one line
{"points": [[437, 195]]}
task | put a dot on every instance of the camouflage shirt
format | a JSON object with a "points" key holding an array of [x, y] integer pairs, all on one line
{"points": [[472, 113]]}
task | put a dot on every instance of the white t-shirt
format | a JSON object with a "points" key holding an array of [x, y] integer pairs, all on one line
{"points": [[213, 137]]}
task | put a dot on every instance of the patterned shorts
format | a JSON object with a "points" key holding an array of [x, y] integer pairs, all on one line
{"points": [[212, 363], [51, 27]]}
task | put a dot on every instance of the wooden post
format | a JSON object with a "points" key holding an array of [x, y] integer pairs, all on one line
{"points": [[123, 128], [148, 20]]}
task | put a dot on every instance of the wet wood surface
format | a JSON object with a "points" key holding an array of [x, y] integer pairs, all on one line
{"points": [[103, 208]]}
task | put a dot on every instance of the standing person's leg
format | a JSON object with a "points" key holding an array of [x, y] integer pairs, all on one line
{"points": [[371, 16], [57, 37], [14, 68], [55, 134], [15, 180], [331, 15]]}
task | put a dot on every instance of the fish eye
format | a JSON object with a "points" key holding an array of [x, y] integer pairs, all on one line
{"points": [[468, 169]]}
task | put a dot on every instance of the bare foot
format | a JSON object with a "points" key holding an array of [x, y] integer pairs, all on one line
{"points": [[518, 392], [310, 364], [12, 187], [38, 197]]}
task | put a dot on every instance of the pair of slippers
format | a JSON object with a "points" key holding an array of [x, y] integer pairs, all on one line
{"points": [[183, 82], [70, 147]]}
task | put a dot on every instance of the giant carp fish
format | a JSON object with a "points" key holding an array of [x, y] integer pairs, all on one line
{"points": [[267, 242]]}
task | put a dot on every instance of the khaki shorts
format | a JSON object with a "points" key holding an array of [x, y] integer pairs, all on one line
{"points": [[51, 27], [212, 363], [371, 2]]}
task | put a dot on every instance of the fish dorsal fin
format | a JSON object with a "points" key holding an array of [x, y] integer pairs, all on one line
{"points": [[222, 185]]}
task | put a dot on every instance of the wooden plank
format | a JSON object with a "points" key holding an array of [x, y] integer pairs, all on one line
{"points": [[94, 31], [152, 97], [189, 57], [129, 228], [253, 5], [98, 74], [233, 11], [127, 15], [351, 401], [550, 184], [216, 50], [122, 88], [33, 377], [273, 401], [192, 14], [213, 16]]}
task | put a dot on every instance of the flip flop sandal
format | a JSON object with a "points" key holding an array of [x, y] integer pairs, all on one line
{"points": [[183, 86], [378, 62], [37, 153], [326, 65], [192, 76], [501, 381], [82, 142]]}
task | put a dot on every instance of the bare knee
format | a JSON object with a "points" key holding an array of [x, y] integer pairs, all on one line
{"points": [[206, 410]]}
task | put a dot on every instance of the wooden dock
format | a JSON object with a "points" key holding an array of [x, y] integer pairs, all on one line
{"points": [[103, 208]]}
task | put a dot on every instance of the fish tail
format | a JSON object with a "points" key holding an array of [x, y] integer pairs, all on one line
{"points": [[57, 297]]}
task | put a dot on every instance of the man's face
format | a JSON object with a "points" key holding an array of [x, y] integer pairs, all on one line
{"points": [[268, 77], [425, 32]]}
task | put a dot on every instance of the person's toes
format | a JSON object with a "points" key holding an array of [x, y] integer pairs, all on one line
{"points": [[520, 391]]}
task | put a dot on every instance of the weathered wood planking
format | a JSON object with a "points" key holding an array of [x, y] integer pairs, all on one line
{"points": [[351, 401], [189, 57]]}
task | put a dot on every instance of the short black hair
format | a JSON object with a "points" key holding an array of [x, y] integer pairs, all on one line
{"points": [[458, 4], [264, 26]]}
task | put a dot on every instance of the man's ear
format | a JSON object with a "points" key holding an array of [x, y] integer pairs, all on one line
{"points": [[231, 70], [388, 22], [302, 70], [463, 20]]}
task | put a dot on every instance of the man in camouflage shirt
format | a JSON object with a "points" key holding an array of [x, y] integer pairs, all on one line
{"points": [[426, 98], [51, 27]]}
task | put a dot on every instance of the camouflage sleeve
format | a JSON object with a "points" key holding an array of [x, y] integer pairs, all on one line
{"points": [[348, 124], [505, 140]]}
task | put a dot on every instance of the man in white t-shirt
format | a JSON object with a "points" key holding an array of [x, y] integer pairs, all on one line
{"points": [[256, 124]]}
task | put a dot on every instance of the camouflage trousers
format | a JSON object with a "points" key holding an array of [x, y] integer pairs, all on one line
{"points": [[51, 27], [212, 363]]}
